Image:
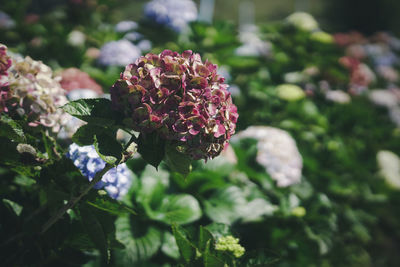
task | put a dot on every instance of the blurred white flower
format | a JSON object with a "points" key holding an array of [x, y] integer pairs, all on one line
{"points": [[81, 93], [118, 53], [234, 90], [294, 77], [252, 45], [385, 98], [303, 21], [388, 73], [224, 72], [76, 38], [144, 45], [338, 96], [389, 164], [133, 36], [6, 22], [38, 93], [277, 152], [126, 26], [394, 114]]}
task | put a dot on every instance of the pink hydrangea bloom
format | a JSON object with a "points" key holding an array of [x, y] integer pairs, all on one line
{"points": [[180, 97], [5, 64], [73, 78]]}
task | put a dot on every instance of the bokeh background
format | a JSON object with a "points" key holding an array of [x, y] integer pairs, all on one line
{"points": [[312, 177]]}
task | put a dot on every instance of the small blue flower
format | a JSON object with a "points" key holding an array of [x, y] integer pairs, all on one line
{"points": [[116, 181], [175, 14]]}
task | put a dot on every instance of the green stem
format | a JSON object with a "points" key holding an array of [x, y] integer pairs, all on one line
{"points": [[74, 200]]}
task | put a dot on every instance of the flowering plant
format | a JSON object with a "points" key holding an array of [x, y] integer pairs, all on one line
{"points": [[29, 88], [181, 98], [176, 14]]}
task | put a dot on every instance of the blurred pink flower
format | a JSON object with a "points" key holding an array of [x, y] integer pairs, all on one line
{"points": [[73, 78]]}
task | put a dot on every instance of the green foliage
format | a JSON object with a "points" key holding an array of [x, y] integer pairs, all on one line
{"points": [[95, 111], [340, 214]]}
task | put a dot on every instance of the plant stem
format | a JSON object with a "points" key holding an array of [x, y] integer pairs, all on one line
{"points": [[74, 200]]}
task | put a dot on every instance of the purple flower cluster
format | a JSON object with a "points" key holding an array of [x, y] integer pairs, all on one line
{"points": [[181, 98], [116, 181]]}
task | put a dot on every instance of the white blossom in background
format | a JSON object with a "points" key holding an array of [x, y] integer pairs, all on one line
{"points": [[126, 26], [77, 94], [252, 45], [76, 38], [277, 152], [385, 98], [133, 36], [389, 165], [294, 77], [303, 21], [234, 90], [38, 93], [224, 72], [176, 14], [118, 53], [338, 96], [394, 115], [145, 45], [6, 22]]}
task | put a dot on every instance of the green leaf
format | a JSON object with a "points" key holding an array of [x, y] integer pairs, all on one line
{"points": [[96, 111], [15, 207], [110, 205], [152, 148], [186, 248], [95, 230], [109, 149], [11, 129], [177, 161], [141, 241], [84, 136], [218, 229], [153, 184], [226, 205], [179, 209], [205, 237], [211, 260], [169, 246]]}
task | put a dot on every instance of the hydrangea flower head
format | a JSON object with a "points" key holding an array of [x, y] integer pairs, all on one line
{"points": [[181, 98], [33, 91], [277, 152], [389, 165], [175, 14], [116, 181], [5, 64], [126, 26], [73, 78], [118, 53]]}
